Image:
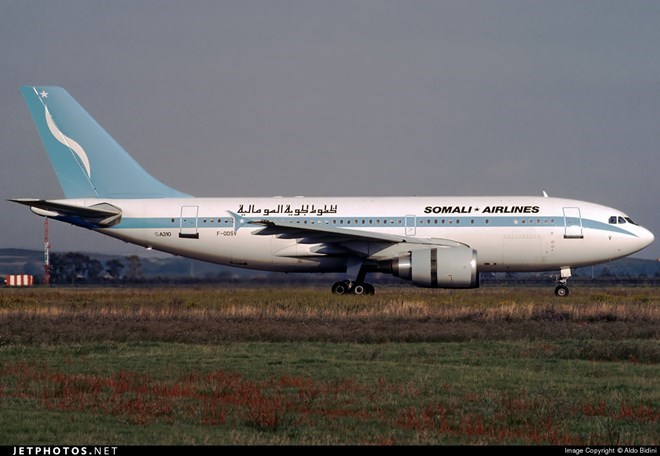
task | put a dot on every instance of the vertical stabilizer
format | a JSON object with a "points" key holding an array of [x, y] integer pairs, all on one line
{"points": [[88, 162]]}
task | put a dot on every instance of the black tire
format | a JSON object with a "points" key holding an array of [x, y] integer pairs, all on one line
{"points": [[359, 289], [561, 291], [340, 288]]}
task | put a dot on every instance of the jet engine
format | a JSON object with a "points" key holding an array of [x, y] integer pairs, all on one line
{"points": [[439, 267]]}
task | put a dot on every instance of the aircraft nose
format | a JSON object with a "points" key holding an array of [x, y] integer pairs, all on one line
{"points": [[644, 238], [630, 244], [647, 237]]}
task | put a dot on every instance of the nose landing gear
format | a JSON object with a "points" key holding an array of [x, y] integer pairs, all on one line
{"points": [[562, 290]]}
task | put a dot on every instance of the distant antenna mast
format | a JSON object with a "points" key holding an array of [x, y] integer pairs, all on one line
{"points": [[46, 253]]}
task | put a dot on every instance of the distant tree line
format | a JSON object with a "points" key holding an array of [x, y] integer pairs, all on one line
{"points": [[72, 268]]}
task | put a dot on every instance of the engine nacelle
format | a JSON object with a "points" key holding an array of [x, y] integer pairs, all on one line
{"points": [[439, 267]]}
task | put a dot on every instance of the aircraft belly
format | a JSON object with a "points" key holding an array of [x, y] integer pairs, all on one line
{"points": [[500, 249], [240, 249], [593, 248]]}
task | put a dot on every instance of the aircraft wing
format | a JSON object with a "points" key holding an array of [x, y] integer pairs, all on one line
{"points": [[326, 234], [102, 214]]}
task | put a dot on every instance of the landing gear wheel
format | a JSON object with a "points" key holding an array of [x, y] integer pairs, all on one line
{"points": [[561, 291], [358, 289], [363, 289], [340, 288]]}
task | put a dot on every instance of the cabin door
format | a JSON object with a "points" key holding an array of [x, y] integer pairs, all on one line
{"points": [[188, 223], [572, 223]]}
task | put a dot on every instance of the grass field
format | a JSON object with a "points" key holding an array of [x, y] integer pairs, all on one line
{"points": [[257, 366]]}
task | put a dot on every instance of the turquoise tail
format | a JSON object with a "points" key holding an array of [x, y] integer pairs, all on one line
{"points": [[87, 161]]}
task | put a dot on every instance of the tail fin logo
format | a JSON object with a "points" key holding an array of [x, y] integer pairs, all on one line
{"points": [[68, 142]]}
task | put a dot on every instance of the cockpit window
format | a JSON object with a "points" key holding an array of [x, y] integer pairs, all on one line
{"points": [[620, 220]]}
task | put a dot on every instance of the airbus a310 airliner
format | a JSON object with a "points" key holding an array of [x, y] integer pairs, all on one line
{"points": [[437, 242]]}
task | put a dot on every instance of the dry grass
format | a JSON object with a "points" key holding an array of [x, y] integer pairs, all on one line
{"points": [[208, 315]]}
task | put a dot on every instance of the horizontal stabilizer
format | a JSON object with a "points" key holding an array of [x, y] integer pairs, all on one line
{"points": [[101, 214]]}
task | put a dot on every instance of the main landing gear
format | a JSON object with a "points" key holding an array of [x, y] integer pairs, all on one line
{"points": [[354, 267], [349, 287], [562, 290]]}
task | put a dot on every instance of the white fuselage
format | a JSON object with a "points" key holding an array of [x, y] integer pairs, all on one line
{"points": [[508, 233]]}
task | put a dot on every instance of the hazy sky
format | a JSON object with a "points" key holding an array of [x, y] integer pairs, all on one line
{"points": [[262, 98]]}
